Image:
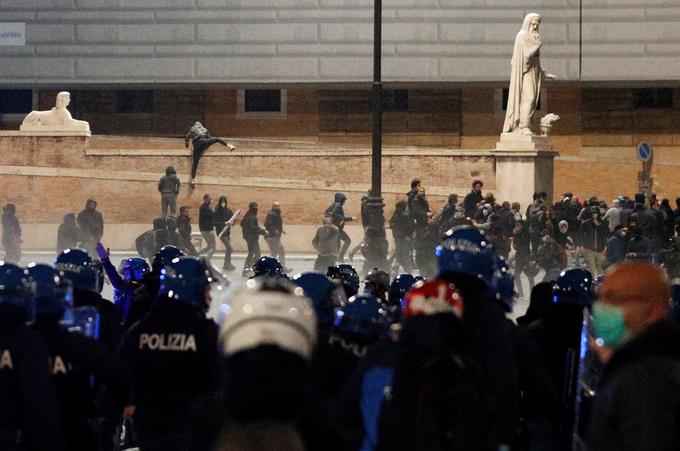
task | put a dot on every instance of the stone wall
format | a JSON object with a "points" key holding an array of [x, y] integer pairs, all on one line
{"points": [[49, 177]]}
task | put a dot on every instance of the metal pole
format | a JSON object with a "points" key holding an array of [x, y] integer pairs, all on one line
{"points": [[376, 255], [376, 155]]}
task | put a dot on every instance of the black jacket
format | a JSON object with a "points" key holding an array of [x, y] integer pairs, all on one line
{"points": [[74, 360], [594, 237], [337, 212], [91, 223], [205, 218], [273, 223], [28, 401], [68, 235], [221, 216], [173, 359], [401, 223], [470, 202], [169, 183], [251, 229], [637, 403]]}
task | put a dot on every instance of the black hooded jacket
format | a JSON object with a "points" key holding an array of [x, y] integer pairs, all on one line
{"points": [[337, 212], [91, 222]]}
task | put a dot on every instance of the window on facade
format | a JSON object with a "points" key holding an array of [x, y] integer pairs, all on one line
{"points": [[262, 101], [16, 101], [395, 100], [134, 101], [651, 98]]}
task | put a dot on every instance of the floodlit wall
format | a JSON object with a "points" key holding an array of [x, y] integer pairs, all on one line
{"points": [[72, 42]]}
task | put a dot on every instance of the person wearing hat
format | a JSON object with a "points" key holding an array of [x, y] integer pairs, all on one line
{"points": [[636, 406]]}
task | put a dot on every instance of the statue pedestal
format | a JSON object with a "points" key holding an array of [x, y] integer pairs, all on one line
{"points": [[524, 165]]}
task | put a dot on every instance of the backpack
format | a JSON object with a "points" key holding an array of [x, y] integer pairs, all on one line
{"points": [[436, 403]]}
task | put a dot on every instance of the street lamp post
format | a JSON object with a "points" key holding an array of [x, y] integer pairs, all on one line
{"points": [[376, 217]]}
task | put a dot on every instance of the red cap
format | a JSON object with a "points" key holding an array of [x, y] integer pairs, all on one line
{"points": [[431, 298]]}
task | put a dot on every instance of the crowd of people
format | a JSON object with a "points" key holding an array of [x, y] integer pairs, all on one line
{"points": [[327, 361], [417, 354]]}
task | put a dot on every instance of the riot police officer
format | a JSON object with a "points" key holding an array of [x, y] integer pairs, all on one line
{"points": [[80, 365], [29, 418], [172, 355], [144, 296], [76, 266]]}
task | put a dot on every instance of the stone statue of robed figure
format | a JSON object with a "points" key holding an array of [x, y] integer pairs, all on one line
{"points": [[526, 77]]}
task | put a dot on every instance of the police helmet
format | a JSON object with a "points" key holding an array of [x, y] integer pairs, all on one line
{"points": [[15, 290], [269, 311], [432, 298], [133, 269], [398, 289], [363, 317], [165, 256], [348, 277], [268, 266], [49, 290], [324, 294], [465, 250], [379, 279], [76, 266], [574, 286], [503, 285], [186, 279]]}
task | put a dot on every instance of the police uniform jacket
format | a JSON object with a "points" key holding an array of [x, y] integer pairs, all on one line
{"points": [[173, 358]]}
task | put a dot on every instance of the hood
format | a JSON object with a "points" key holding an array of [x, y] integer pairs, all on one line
{"points": [[222, 199], [90, 200], [70, 218], [170, 170], [341, 198], [628, 204], [400, 206], [9, 210], [453, 199]]}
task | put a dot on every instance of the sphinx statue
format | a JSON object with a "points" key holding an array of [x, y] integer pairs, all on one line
{"points": [[57, 119]]}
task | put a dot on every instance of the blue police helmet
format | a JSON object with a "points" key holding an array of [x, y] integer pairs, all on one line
{"points": [[324, 293], [399, 287], [268, 266], [186, 279], [503, 285], [362, 317], [165, 256], [49, 290], [465, 250], [348, 277], [75, 265], [574, 286], [133, 269], [15, 289]]}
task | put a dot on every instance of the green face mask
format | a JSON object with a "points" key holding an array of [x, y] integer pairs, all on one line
{"points": [[609, 325]]}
